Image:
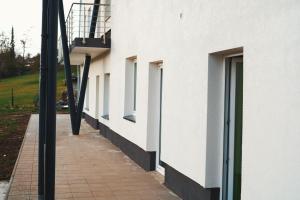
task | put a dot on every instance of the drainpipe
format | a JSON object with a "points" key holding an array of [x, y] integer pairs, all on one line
{"points": [[51, 100], [68, 71], [42, 102]]}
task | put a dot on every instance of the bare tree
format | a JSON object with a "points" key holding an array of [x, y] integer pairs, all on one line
{"points": [[23, 43], [4, 43]]}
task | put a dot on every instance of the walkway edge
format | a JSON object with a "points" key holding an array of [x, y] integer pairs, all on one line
{"points": [[17, 161]]}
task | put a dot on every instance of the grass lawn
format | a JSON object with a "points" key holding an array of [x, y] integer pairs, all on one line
{"points": [[14, 120], [25, 89]]}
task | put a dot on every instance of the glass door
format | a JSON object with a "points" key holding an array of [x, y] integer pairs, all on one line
{"points": [[232, 153]]}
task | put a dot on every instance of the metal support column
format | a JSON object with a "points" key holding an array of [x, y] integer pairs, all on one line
{"points": [[94, 18], [42, 102], [86, 66], [68, 71], [82, 92], [51, 100]]}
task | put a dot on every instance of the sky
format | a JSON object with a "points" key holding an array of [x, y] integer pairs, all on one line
{"points": [[25, 17]]}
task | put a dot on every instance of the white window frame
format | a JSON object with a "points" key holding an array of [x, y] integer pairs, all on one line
{"points": [[106, 96], [134, 86], [130, 95]]}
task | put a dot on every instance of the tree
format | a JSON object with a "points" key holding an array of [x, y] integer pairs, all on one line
{"points": [[12, 44], [23, 43], [4, 46], [4, 43], [11, 64], [35, 63], [8, 64]]}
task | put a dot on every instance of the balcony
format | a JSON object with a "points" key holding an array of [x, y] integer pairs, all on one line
{"points": [[81, 41]]}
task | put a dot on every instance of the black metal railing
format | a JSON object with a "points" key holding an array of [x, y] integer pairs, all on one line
{"points": [[78, 23]]}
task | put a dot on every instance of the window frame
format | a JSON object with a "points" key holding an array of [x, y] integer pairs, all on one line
{"points": [[106, 96], [130, 94], [87, 95]]}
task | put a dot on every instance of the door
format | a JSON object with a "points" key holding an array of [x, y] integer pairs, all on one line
{"points": [[232, 157], [155, 92], [159, 168]]}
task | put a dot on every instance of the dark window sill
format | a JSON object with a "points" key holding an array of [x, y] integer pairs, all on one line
{"points": [[105, 117], [130, 118]]}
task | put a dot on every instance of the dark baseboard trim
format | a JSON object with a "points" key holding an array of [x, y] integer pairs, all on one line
{"points": [[186, 188], [91, 121], [145, 159], [104, 130]]}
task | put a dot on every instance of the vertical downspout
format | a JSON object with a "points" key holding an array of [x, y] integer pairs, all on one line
{"points": [[68, 71], [42, 101], [86, 67], [51, 100]]}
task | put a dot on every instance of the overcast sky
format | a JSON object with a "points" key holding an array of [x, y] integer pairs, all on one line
{"points": [[25, 17]]}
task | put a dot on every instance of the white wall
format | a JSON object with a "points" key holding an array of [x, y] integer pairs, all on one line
{"points": [[183, 34]]}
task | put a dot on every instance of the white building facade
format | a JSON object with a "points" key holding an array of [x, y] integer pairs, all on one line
{"points": [[205, 92]]}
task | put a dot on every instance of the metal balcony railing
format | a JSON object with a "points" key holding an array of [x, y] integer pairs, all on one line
{"points": [[78, 24]]}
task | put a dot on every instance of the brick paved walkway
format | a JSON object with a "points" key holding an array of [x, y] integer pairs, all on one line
{"points": [[87, 167]]}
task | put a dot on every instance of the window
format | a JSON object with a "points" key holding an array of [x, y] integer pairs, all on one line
{"points": [[97, 97], [134, 85], [130, 89], [87, 95], [106, 96]]}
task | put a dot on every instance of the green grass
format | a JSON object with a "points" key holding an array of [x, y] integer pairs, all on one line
{"points": [[26, 89]]}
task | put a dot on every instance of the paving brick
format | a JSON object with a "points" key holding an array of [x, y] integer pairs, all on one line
{"points": [[87, 167]]}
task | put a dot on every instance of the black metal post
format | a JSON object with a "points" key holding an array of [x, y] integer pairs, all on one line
{"points": [[82, 92], [68, 71], [94, 18], [86, 67], [42, 101], [51, 100]]}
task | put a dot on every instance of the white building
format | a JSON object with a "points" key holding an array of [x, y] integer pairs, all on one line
{"points": [[206, 92]]}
